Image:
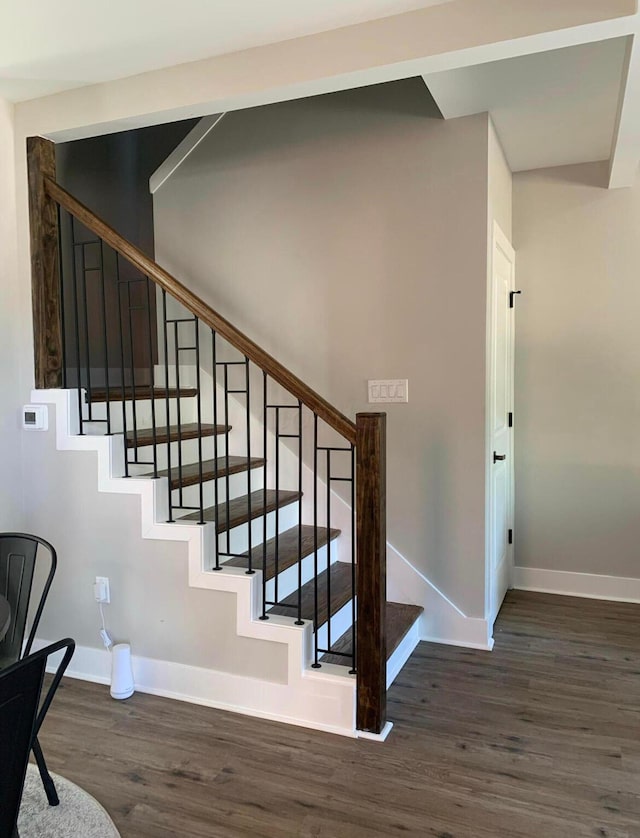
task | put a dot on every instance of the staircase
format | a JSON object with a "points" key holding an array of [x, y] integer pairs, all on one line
{"points": [[268, 480]]}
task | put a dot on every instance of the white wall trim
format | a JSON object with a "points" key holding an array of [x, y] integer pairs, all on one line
{"points": [[183, 150], [588, 585], [213, 688], [442, 620]]}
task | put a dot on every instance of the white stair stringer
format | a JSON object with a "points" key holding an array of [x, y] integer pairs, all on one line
{"points": [[324, 700]]}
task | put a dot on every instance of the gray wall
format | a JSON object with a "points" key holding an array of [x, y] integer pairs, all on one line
{"points": [[11, 507], [153, 607], [577, 363], [347, 234]]}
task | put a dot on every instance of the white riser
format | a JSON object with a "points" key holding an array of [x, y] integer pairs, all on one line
{"points": [[238, 485], [189, 447], [143, 413], [288, 579], [340, 622]]}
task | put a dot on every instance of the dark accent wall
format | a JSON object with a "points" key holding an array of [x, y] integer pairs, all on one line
{"points": [[110, 174], [111, 332]]}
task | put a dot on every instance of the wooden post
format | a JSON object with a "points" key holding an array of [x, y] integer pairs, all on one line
{"points": [[371, 529], [45, 267]]}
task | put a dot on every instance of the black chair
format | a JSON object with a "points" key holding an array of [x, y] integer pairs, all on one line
{"points": [[21, 558], [20, 721]]}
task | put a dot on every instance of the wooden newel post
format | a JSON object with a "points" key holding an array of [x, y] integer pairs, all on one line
{"points": [[371, 530], [45, 266]]}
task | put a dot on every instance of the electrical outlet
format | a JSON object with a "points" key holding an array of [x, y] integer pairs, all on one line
{"points": [[101, 590]]}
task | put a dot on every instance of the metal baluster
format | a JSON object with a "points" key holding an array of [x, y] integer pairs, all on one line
{"points": [[122, 377], [214, 372], [104, 337], [176, 352], [86, 329], [277, 515], [250, 569], [76, 313], [315, 664], [167, 401], [134, 412], [299, 621], [199, 414], [264, 615], [328, 549], [151, 382], [354, 588], [226, 457], [62, 300]]}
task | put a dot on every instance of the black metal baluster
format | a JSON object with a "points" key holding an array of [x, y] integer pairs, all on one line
{"points": [[315, 664], [264, 616], [76, 312], [62, 300], [199, 415], [134, 412], [354, 587], [151, 382], [277, 515], [250, 569], [214, 372], [167, 400], [104, 337], [299, 621], [328, 549], [176, 352], [86, 329], [226, 456], [122, 376]]}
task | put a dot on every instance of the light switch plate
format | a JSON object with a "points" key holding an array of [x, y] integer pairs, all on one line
{"points": [[389, 391]]}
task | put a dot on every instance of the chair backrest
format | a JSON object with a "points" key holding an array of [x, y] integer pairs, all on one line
{"points": [[20, 688], [20, 554], [20, 721]]}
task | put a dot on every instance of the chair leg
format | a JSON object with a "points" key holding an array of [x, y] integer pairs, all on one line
{"points": [[47, 782]]}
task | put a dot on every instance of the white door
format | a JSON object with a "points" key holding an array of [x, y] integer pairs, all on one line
{"points": [[500, 477]]}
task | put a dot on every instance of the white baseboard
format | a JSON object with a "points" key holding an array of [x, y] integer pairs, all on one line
{"points": [[319, 706], [588, 585], [442, 621]]}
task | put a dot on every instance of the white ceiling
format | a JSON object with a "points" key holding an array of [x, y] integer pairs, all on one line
{"points": [[550, 108], [46, 47]]}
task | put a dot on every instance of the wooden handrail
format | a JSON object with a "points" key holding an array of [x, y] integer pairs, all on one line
{"points": [[336, 420]]}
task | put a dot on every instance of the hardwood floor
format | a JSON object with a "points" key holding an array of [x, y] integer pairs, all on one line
{"points": [[540, 738]]}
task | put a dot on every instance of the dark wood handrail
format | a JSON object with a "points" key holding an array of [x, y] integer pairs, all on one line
{"points": [[329, 414]]}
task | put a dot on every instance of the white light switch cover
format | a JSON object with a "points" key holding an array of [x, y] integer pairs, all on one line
{"points": [[389, 391]]}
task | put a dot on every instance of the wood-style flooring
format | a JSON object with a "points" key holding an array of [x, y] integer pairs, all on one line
{"points": [[540, 738]]}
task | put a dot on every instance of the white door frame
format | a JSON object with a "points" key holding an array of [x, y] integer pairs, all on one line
{"points": [[498, 240]]}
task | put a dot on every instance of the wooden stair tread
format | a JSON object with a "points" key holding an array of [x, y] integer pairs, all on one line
{"points": [[339, 576], [261, 503], [191, 430], [144, 391], [288, 544], [211, 469], [400, 618]]}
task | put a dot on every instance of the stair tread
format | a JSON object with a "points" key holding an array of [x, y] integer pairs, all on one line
{"points": [[210, 470], [400, 618], [144, 391], [261, 503], [190, 430], [288, 544], [339, 576]]}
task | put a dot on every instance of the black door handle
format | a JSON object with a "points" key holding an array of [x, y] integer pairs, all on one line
{"points": [[497, 457]]}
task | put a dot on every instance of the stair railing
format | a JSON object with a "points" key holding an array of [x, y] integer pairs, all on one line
{"points": [[109, 321]]}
